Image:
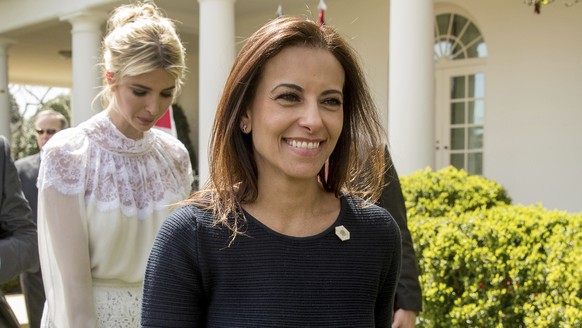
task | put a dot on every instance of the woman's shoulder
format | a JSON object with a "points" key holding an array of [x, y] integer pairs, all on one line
{"points": [[190, 217], [67, 140], [355, 202], [173, 149], [167, 141], [63, 163], [193, 225], [375, 222], [367, 210]]}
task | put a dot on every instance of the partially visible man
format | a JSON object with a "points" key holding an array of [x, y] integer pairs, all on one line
{"points": [[408, 300], [47, 123], [18, 241]]}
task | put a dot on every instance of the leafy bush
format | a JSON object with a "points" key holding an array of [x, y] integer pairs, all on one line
{"points": [[449, 191], [492, 264], [11, 286]]}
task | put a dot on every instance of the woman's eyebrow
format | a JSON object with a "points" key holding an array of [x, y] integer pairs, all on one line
{"points": [[148, 88], [287, 85]]}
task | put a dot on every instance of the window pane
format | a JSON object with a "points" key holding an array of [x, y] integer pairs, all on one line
{"points": [[476, 138], [442, 22], [458, 52], [481, 49], [458, 113], [459, 23], [475, 165], [463, 38], [458, 138], [471, 33], [477, 50], [458, 87], [438, 49], [447, 47], [458, 161], [477, 86], [476, 112]]}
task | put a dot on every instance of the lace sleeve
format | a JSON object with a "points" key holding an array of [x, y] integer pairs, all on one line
{"points": [[181, 160], [65, 260], [185, 168], [64, 162]]}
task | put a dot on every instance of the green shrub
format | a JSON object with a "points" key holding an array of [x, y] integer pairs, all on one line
{"points": [[484, 263], [11, 287], [183, 133], [449, 191]]}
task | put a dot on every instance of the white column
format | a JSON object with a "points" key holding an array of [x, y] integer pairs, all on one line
{"points": [[86, 41], [216, 57], [4, 92], [411, 124]]}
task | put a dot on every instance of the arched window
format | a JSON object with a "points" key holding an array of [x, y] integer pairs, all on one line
{"points": [[459, 50], [456, 38]]}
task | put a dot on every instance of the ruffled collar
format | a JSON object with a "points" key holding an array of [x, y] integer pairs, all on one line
{"points": [[101, 130]]}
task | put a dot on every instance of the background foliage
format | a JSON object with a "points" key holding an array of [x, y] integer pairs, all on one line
{"points": [[183, 132], [486, 263]]}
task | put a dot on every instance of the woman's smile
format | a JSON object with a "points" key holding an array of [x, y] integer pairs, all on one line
{"points": [[296, 116]]}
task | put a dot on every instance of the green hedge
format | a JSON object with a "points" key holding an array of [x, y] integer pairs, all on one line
{"points": [[484, 263], [430, 193]]}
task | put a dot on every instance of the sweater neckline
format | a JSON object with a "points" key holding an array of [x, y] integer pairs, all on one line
{"points": [[331, 229]]}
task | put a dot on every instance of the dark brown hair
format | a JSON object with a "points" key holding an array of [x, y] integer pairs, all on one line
{"points": [[356, 165]]}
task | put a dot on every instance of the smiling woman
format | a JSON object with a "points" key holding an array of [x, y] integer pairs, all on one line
{"points": [[285, 233], [297, 114]]}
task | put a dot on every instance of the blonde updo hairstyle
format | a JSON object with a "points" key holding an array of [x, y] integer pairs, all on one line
{"points": [[140, 39]]}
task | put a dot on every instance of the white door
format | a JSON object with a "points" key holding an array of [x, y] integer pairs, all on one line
{"points": [[460, 113]]}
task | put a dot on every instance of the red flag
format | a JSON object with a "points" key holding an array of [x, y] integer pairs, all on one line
{"points": [[166, 123], [322, 8]]}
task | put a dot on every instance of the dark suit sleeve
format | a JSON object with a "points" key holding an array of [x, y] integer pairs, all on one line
{"points": [[408, 292], [18, 242]]}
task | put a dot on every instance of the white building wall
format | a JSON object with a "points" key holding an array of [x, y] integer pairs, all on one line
{"points": [[533, 122]]}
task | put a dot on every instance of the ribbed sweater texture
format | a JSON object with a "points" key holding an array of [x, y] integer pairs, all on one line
{"points": [[266, 279]]}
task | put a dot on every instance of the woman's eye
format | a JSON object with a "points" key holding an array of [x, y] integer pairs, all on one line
{"points": [[291, 97], [167, 94], [139, 93], [332, 102]]}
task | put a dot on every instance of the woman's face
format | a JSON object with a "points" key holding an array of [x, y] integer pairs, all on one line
{"points": [[296, 116], [140, 101]]}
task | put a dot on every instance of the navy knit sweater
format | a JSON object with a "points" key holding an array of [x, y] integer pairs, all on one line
{"points": [[265, 279]]}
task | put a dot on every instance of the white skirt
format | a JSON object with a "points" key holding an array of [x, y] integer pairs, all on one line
{"points": [[115, 306]]}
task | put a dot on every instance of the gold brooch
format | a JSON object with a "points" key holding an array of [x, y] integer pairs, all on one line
{"points": [[342, 233]]}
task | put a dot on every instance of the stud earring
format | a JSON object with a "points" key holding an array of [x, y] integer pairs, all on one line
{"points": [[244, 128]]}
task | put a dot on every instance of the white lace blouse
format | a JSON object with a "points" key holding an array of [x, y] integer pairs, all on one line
{"points": [[102, 198]]}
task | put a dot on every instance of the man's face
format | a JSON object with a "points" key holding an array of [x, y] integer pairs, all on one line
{"points": [[46, 127]]}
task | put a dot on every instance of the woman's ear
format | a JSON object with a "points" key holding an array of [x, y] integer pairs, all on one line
{"points": [[245, 122], [110, 77]]}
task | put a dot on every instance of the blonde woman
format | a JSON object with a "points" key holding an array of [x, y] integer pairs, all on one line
{"points": [[105, 186]]}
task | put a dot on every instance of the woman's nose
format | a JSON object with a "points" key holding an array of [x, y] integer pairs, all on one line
{"points": [[153, 106], [311, 117]]}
